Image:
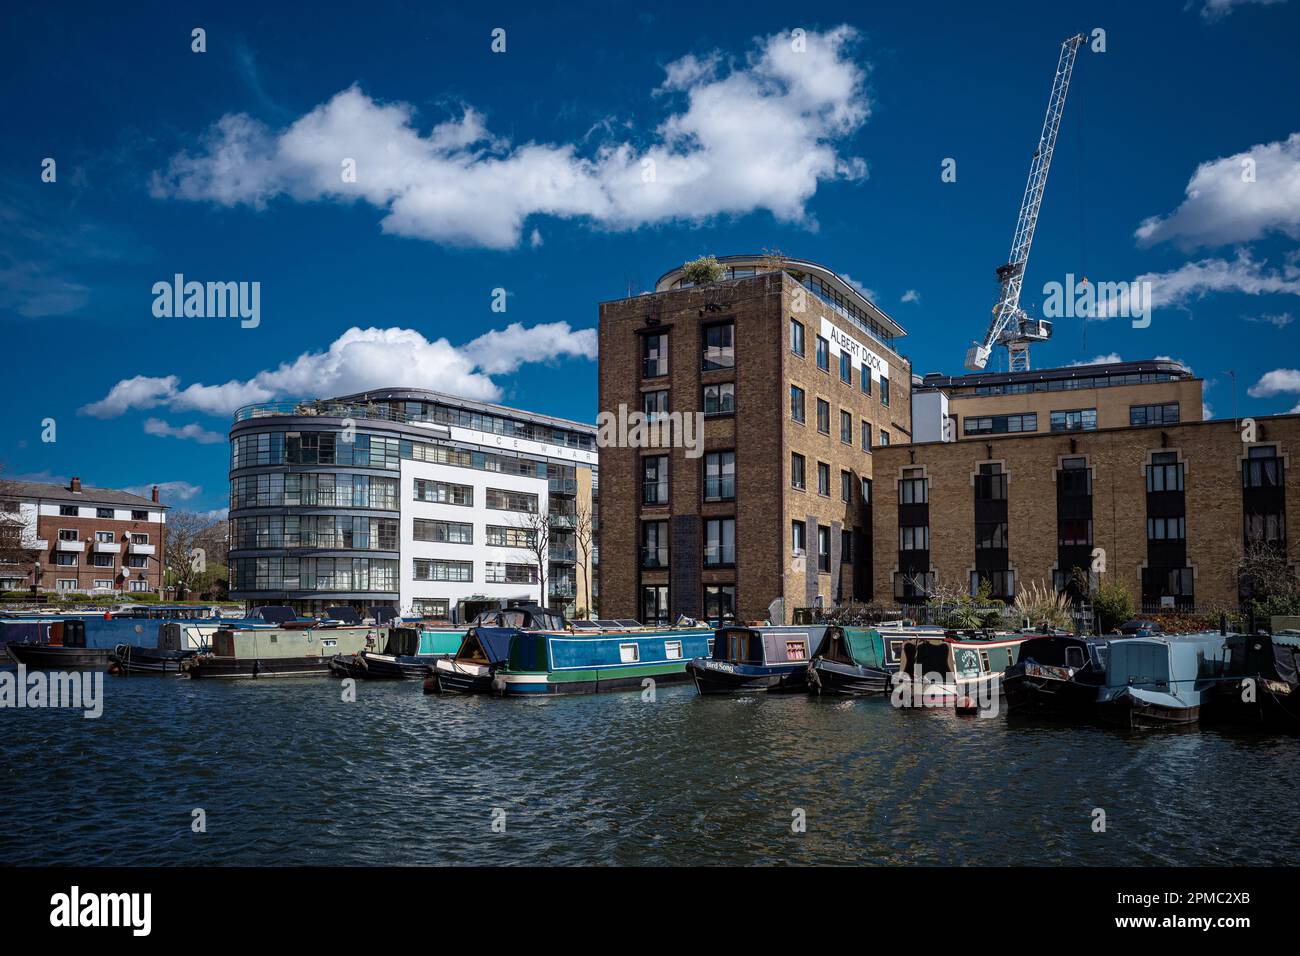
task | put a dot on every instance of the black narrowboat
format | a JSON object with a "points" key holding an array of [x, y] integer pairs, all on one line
{"points": [[749, 660], [1056, 676], [849, 661], [62, 648], [1261, 683]]}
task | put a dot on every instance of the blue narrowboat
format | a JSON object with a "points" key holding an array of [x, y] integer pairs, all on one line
{"points": [[1160, 681], [757, 659]]}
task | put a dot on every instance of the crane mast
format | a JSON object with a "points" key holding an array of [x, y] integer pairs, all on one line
{"points": [[1010, 326]]}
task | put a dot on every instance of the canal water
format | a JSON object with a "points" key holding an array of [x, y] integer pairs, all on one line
{"points": [[287, 772]]}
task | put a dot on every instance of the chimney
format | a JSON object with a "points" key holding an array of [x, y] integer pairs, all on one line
{"points": [[75, 487], [155, 494]]}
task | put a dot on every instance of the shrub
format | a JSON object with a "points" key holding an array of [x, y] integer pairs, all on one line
{"points": [[703, 270], [1113, 604]]}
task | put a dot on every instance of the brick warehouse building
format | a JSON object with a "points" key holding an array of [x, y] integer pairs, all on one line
{"points": [[77, 538], [800, 384], [1171, 506]]}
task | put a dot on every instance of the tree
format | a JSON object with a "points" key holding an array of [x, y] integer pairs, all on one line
{"points": [[1266, 579], [1113, 604], [703, 270], [184, 558], [536, 533], [584, 533], [17, 536]]}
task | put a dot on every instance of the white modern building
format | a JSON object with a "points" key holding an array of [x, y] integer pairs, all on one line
{"points": [[410, 499]]}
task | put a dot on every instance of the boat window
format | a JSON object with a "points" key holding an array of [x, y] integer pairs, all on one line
{"points": [[1074, 657], [984, 661], [673, 650], [629, 653], [710, 647], [796, 650], [738, 646]]}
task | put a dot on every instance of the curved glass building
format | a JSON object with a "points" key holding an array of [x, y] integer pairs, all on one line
{"points": [[412, 500]]}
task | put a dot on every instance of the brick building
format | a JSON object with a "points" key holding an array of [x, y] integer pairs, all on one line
{"points": [[798, 379], [1168, 508], [75, 538]]}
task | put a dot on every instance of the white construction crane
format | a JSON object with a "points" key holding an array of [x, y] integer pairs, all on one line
{"points": [[1010, 326]]}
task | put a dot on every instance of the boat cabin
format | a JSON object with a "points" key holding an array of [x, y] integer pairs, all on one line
{"points": [[1169, 663], [746, 645], [854, 646], [1066, 651]]}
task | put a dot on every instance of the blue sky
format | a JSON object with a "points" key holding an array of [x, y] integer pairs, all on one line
{"points": [[523, 170]]}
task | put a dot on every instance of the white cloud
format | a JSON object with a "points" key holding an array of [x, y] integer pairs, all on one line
{"points": [[1108, 359], [362, 359], [1207, 412], [1222, 208], [1213, 10], [1195, 280], [168, 491], [192, 431], [867, 293], [1277, 319], [1277, 382], [759, 135], [911, 295]]}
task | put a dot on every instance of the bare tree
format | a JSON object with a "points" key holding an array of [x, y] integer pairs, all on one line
{"points": [[535, 532], [17, 536], [1266, 576], [584, 533], [184, 557]]}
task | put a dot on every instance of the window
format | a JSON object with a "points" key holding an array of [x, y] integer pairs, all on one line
{"points": [[1002, 584], [67, 584], [797, 479], [629, 653], [884, 393], [654, 480], [846, 368], [1166, 414], [846, 486], [719, 542], [990, 483], [823, 548], [720, 476], [500, 573], [67, 534], [67, 511], [823, 354], [798, 537], [499, 536], [796, 337], [432, 607], [102, 560], [720, 399], [846, 428], [990, 534], [137, 560], [107, 537], [914, 538], [654, 404], [866, 491], [654, 544], [1001, 424], [1075, 478], [138, 538], [103, 582], [654, 605], [912, 488], [654, 355], [846, 546], [865, 380], [1262, 468], [502, 499], [1076, 420], [103, 512], [720, 604], [426, 569], [1266, 528], [1074, 532], [449, 532], [823, 416], [884, 435], [1165, 473], [823, 479], [1176, 583], [1166, 529], [719, 346], [866, 435], [66, 559], [434, 492], [796, 404], [673, 650]]}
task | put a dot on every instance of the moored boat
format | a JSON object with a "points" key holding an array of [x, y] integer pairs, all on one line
{"points": [[850, 661], [485, 649], [278, 652], [957, 667], [1160, 681], [59, 648], [1261, 685], [1056, 676], [177, 640], [757, 659], [403, 656]]}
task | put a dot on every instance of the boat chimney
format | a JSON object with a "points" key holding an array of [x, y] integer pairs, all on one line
{"points": [[75, 486], [155, 494]]}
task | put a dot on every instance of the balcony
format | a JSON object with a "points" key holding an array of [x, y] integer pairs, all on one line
{"points": [[108, 547], [134, 548], [564, 555], [559, 520], [564, 486], [77, 546]]}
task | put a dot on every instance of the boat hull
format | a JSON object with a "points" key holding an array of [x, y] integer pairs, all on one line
{"points": [[723, 677], [1267, 705], [1028, 696], [128, 659], [49, 657], [1133, 713], [833, 677], [366, 666], [599, 681], [210, 666], [448, 677]]}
